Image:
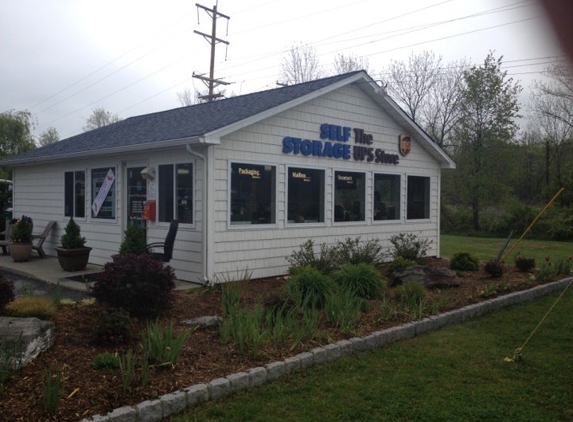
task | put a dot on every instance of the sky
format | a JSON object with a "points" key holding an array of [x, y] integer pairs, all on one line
{"points": [[63, 58]]}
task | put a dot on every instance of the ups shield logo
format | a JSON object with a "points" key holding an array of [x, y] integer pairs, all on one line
{"points": [[404, 144]]}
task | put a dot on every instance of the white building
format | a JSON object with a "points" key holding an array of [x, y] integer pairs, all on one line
{"points": [[249, 178]]}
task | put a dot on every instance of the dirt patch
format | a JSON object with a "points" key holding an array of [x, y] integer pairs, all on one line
{"points": [[88, 392]]}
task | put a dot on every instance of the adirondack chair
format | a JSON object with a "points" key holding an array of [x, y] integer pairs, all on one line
{"points": [[38, 239], [6, 241], [167, 246]]}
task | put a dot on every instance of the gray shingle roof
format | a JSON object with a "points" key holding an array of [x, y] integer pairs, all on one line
{"points": [[179, 123]]}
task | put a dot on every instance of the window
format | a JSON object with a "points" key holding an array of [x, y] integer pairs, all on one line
{"points": [[75, 194], [305, 195], [386, 197], [176, 193], [418, 197], [349, 196], [252, 194], [103, 193]]}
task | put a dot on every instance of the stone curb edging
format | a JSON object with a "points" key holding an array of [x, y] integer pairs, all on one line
{"points": [[176, 402]]}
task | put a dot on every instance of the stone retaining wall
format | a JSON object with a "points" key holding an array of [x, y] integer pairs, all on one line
{"points": [[177, 402]]}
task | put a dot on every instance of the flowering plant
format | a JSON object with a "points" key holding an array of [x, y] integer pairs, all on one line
{"points": [[21, 230]]}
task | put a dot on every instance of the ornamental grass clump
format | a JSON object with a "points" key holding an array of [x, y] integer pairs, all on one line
{"points": [[363, 280], [32, 306], [310, 287]]}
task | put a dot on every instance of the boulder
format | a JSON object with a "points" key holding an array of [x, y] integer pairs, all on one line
{"points": [[30, 337], [431, 278], [203, 323]]}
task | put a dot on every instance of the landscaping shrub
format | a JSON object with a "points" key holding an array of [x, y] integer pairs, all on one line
{"points": [[310, 287], [133, 241], [113, 326], [6, 293], [524, 264], [399, 264], [343, 309], [32, 306], [363, 280], [408, 246], [494, 269], [136, 283], [464, 261], [352, 251], [326, 261]]}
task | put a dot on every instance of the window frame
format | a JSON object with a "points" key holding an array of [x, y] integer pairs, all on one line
{"points": [[429, 197], [322, 200], [93, 193], [175, 206], [74, 195], [274, 192], [334, 188], [398, 218]]}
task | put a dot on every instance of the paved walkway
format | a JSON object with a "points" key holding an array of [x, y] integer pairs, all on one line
{"points": [[41, 276]]}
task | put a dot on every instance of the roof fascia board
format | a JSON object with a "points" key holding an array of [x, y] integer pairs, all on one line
{"points": [[241, 124], [105, 152], [381, 97]]}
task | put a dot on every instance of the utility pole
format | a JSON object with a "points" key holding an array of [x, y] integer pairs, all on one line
{"points": [[212, 39]]}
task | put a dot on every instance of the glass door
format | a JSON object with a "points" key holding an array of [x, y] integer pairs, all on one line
{"points": [[136, 195]]}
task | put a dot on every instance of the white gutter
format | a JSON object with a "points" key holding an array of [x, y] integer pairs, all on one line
{"points": [[206, 219]]}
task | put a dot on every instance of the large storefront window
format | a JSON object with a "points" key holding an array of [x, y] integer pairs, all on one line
{"points": [[253, 194], [176, 193], [418, 198], [75, 194], [386, 197], [103, 193], [305, 195], [349, 196]]}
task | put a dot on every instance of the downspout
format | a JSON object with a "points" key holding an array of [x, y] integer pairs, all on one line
{"points": [[206, 221]]}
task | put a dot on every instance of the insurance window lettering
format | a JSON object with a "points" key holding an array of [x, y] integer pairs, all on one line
{"points": [[75, 194], [253, 194], [386, 197], [103, 193], [349, 196], [305, 195], [176, 193], [418, 206]]}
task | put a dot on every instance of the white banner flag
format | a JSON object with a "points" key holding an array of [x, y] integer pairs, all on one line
{"points": [[103, 191]]}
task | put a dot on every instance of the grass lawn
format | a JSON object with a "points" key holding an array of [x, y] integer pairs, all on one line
{"points": [[488, 248], [455, 374]]}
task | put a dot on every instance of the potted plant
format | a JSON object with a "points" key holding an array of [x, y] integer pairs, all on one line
{"points": [[73, 255], [134, 240], [21, 238]]}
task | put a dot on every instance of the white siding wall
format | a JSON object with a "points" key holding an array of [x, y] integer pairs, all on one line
{"points": [[264, 250], [39, 193]]}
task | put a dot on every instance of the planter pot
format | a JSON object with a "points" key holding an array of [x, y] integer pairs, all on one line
{"points": [[73, 259], [20, 252]]}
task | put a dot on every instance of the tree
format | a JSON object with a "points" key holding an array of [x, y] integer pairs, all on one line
{"points": [[49, 136], [300, 65], [15, 136], [188, 97], [100, 118], [489, 107], [344, 64]]}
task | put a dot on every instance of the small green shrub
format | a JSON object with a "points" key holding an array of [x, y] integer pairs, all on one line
{"points": [[72, 238], [106, 360], [464, 261], [343, 308], [524, 264], [363, 280], [6, 293], [352, 251], [137, 283], [32, 306], [326, 261], [399, 263], [564, 266], [134, 240], [494, 269], [310, 287], [409, 246], [113, 326]]}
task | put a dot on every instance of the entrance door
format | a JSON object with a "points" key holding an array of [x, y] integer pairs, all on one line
{"points": [[136, 196]]}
